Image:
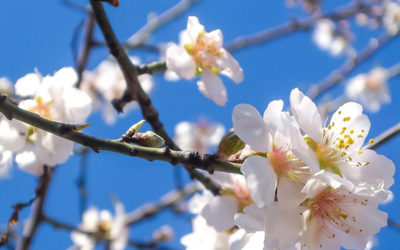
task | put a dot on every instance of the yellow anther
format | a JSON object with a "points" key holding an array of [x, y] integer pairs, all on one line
{"points": [[371, 141], [346, 119]]}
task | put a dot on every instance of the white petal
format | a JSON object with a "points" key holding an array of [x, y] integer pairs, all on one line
{"points": [[27, 85], [261, 180], [252, 219], [219, 212], [13, 134], [194, 28], [289, 193], [212, 87], [251, 128], [28, 162], [5, 163], [78, 105], [306, 114], [180, 62], [302, 150], [230, 67]]}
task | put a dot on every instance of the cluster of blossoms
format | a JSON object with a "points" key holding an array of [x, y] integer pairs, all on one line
{"points": [[54, 98], [328, 37], [201, 53], [307, 185], [106, 83], [101, 226], [391, 18]]}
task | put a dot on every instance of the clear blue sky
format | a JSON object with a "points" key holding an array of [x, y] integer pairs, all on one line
{"points": [[37, 34]]}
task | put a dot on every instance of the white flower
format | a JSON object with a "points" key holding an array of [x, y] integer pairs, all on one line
{"points": [[335, 216], [391, 17], [201, 53], [370, 90], [338, 147], [199, 136], [273, 162], [54, 98], [6, 88], [326, 38], [108, 81], [104, 227], [205, 237], [5, 162], [219, 211]]}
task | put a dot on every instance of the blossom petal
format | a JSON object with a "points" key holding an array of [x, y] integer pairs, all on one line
{"points": [[306, 114], [180, 62], [252, 219], [251, 128], [212, 87], [261, 179], [230, 67], [27, 85], [220, 212], [194, 28]]}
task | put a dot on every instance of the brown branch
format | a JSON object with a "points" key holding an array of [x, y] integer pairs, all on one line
{"points": [[353, 62], [134, 91], [63, 226], [169, 200], [302, 24], [36, 217], [87, 45]]}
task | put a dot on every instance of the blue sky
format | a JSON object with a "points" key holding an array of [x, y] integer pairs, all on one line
{"points": [[37, 34]]}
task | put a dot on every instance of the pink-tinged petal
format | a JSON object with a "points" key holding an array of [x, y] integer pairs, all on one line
{"points": [[230, 67], [194, 28], [180, 62], [252, 219], [306, 114], [27, 85], [251, 128], [261, 180], [219, 212], [212, 87], [375, 170]]}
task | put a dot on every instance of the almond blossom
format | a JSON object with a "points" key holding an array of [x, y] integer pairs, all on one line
{"points": [[201, 53], [326, 37], [370, 89], [198, 136], [338, 147], [391, 17], [6, 88], [54, 98], [108, 82], [273, 162], [104, 227]]}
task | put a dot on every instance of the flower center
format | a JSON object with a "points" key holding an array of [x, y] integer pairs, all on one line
{"points": [[42, 108], [204, 53]]}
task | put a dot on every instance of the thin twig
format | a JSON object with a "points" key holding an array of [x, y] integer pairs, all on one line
{"points": [[83, 194], [205, 162], [36, 217], [338, 75], [394, 71], [62, 225], [156, 22], [385, 137], [167, 201], [87, 45], [393, 223], [302, 24]]}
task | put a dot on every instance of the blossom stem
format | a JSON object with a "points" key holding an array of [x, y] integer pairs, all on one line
{"points": [[62, 225], [190, 159], [134, 91], [354, 61], [302, 24]]}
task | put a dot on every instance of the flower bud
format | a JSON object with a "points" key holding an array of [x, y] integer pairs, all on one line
{"points": [[229, 145], [148, 139]]}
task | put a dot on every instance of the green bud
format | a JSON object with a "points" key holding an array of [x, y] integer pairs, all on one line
{"points": [[148, 139], [229, 145]]}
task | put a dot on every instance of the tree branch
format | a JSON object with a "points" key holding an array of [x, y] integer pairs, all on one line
{"points": [[385, 137], [192, 159], [134, 91], [338, 75], [36, 217], [302, 24], [167, 201]]}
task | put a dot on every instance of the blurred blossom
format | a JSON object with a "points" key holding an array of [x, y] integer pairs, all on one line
{"points": [[326, 37], [107, 83], [104, 227], [391, 16], [371, 89], [53, 98], [6, 87], [199, 136], [201, 53]]}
